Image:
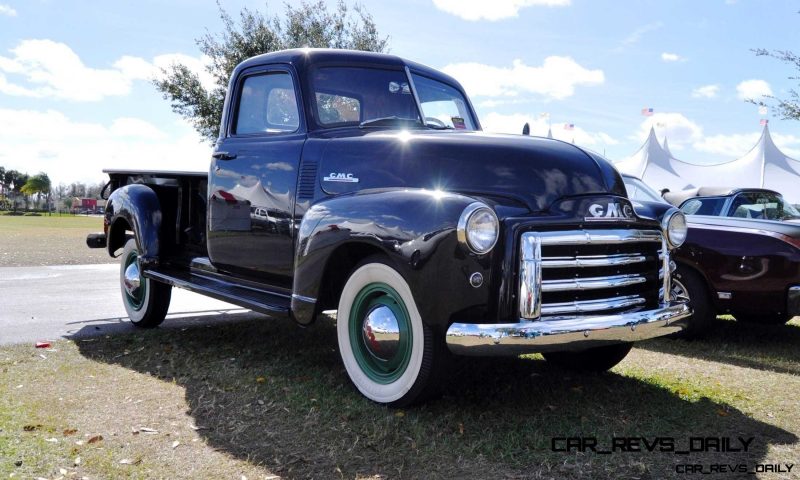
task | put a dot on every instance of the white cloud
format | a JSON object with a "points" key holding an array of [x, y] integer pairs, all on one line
{"points": [[672, 57], [499, 123], [70, 151], [53, 70], [7, 10], [706, 91], [556, 78], [680, 130], [639, 32], [753, 89], [496, 10]]}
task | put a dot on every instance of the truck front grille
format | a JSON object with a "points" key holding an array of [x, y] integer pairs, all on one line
{"points": [[582, 272]]}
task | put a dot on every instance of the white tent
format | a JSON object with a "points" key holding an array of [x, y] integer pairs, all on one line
{"points": [[764, 166], [654, 165]]}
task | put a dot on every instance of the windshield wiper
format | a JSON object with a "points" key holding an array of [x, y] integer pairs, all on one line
{"points": [[393, 120]]}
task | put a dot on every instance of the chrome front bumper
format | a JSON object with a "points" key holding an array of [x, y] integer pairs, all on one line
{"points": [[565, 333]]}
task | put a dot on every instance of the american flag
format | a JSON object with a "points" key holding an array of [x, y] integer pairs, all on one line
{"points": [[647, 111], [763, 122], [569, 126]]}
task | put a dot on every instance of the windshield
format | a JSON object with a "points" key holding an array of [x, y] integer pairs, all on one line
{"points": [[762, 205], [444, 106], [353, 95], [638, 190]]}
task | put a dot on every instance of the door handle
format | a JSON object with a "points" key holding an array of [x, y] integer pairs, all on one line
{"points": [[223, 155]]}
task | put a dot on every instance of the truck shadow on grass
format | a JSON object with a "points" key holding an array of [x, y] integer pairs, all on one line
{"points": [[763, 347], [278, 396]]}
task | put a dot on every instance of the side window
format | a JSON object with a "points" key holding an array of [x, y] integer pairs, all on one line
{"points": [[267, 104], [703, 206]]}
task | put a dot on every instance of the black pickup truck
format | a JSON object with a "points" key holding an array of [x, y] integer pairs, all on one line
{"points": [[361, 182]]}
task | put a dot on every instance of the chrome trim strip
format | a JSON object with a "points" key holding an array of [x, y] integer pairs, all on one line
{"points": [[565, 333], [582, 261], [602, 237], [593, 283], [588, 306], [303, 299], [664, 273], [530, 277]]}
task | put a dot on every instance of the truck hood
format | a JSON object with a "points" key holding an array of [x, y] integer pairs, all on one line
{"points": [[533, 171]]}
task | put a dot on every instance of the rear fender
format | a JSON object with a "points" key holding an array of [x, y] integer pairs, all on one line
{"points": [[134, 207]]}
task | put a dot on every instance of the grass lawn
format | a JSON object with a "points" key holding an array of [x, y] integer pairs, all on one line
{"points": [[259, 398], [49, 240]]}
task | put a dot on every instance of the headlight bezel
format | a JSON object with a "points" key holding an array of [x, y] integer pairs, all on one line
{"points": [[463, 231], [674, 215]]}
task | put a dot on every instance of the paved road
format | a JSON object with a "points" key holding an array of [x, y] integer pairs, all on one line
{"points": [[45, 303]]}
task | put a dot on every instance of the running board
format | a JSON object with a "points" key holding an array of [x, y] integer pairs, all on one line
{"points": [[263, 301]]}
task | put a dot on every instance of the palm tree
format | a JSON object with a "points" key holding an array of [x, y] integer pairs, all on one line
{"points": [[39, 185]]}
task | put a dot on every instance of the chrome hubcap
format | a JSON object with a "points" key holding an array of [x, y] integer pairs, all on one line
{"points": [[132, 280], [381, 333]]}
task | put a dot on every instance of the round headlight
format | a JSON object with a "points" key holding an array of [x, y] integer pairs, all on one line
{"points": [[478, 228], [675, 228]]}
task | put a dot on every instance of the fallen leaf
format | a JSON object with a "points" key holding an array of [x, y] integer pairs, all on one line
{"points": [[260, 379], [31, 428], [95, 439], [722, 413], [175, 444], [70, 431], [461, 429], [399, 414]]}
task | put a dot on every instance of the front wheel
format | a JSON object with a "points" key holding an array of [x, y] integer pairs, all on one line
{"points": [[145, 300], [389, 354], [597, 359], [689, 286]]}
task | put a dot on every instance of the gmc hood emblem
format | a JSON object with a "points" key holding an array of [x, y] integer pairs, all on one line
{"points": [[610, 211]]}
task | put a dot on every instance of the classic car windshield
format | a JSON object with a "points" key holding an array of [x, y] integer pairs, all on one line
{"points": [[762, 205], [354, 95], [638, 190], [371, 96]]}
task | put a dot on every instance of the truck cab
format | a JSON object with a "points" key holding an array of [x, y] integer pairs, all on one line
{"points": [[362, 183]]}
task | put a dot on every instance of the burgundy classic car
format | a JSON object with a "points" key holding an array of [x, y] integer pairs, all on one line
{"points": [[758, 203], [740, 265]]}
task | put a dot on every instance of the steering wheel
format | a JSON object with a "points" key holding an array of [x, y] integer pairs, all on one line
{"points": [[435, 121]]}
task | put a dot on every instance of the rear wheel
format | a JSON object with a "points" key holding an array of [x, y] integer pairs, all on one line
{"points": [[598, 359], [145, 300], [767, 319], [690, 286], [389, 354]]}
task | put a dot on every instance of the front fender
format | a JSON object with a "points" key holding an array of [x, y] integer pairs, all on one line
{"points": [[136, 207], [415, 228]]}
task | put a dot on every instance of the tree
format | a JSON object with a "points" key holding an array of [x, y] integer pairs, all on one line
{"points": [[309, 25], [788, 108], [38, 185]]}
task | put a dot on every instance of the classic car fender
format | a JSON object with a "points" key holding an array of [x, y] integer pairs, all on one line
{"points": [[135, 207], [337, 233]]}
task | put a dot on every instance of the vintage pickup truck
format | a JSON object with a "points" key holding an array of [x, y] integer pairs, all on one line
{"points": [[361, 183]]}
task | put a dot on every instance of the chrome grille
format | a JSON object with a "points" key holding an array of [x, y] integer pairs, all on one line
{"points": [[580, 272]]}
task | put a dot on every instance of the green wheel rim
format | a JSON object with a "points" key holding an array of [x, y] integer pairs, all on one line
{"points": [[372, 296], [135, 301]]}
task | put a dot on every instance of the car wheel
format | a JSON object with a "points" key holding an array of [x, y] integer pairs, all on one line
{"points": [[145, 300], [767, 319], [390, 355], [690, 286], [598, 359]]}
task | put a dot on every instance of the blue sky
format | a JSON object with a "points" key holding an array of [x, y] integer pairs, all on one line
{"points": [[75, 96]]}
